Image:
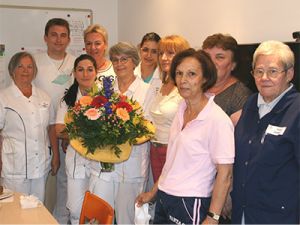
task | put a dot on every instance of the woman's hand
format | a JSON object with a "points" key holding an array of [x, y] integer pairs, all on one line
{"points": [[64, 144], [147, 196], [209, 220], [220, 191], [144, 198], [55, 164], [226, 212]]}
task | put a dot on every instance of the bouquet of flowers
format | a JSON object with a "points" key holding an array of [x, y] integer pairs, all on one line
{"points": [[103, 125]]}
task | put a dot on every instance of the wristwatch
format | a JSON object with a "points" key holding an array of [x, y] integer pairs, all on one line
{"points": [[213, 215]]}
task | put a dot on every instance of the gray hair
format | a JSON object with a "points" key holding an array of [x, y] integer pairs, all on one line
{"points": [[126, 49], [283, 51], [15, 61]]}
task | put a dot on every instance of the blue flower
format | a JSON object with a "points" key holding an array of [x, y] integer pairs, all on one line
{"points": [[107, 85], [108, 109]]}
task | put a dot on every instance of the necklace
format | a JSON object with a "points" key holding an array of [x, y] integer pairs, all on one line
{"points": [[100, 69], [62, 63]]}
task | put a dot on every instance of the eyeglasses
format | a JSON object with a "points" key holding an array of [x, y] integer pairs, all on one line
{"points": [[271, 73], [147, 50], [122, 60]]}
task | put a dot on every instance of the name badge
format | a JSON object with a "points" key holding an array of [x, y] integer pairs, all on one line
{"points": [[274, 130], [61, 79]]}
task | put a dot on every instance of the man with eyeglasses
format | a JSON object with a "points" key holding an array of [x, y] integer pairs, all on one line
{"points": [[266, 177]]}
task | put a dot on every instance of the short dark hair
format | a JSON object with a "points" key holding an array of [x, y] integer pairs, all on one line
{"points": [[57, 22], [209, 70], [152, 36], [223, 41]]}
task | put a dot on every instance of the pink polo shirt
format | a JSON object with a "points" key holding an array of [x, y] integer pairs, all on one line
{"points": [[193, 152]]}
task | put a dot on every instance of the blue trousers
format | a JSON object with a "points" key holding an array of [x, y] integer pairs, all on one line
{"points": [[180, 210]]}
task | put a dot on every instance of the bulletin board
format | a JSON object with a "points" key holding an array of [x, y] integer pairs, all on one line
{"points": [[22, 29]]}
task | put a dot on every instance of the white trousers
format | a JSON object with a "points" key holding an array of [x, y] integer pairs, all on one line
{"points": [[76, 191], [60, 212], [120, 195], [34, 187]]}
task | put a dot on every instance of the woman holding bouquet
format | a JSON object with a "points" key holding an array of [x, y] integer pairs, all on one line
{"points": [[77, 167], [195, 179], [120, 186]]}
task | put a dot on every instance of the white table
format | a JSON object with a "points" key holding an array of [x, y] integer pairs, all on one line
{"points": [[12, 213]]}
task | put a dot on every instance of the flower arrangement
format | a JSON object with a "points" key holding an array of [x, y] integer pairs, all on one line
{"points": [[103, 118]]}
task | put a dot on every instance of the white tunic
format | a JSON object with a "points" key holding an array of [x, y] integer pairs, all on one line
{"points": [[135, 169], [24, 122], [54, 81], [77, 167], [154, 86]]}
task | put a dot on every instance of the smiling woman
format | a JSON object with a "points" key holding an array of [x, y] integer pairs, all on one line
{"points": [[96, 45], [77, 166], [24, 120], [23, 75], [147, 69], [165, 103], [120, 186], [267, 143]]}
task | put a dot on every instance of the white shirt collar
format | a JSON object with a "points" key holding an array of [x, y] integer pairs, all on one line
{"points": [[264, 107], [131, 89]]}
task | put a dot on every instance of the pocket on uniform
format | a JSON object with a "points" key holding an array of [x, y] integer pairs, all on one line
{"points": [[8, 146], [44, 115]]}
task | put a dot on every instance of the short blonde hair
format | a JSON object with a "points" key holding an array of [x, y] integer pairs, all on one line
{"points": [[96, 28]]}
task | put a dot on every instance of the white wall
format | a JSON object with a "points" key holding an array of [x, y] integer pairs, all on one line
{"points": [[104, 11], [128, 20], [248, 21]]}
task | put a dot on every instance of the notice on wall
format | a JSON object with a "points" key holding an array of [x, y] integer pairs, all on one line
{"points": [[21, 18], [77, 27]]}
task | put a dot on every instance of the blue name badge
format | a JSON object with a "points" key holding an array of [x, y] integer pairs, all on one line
{"points": [[61, 79]]}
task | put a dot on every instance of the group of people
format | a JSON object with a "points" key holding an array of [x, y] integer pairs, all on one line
{"points": [[213, 136]]}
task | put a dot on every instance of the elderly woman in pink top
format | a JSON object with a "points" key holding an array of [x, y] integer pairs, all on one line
{"points": [[196, 177]]}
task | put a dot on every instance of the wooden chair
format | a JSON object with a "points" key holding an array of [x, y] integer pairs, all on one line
{"points": [[94, 207]]}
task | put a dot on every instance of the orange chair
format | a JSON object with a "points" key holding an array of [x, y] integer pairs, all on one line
{"points": [[94, 207]]}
